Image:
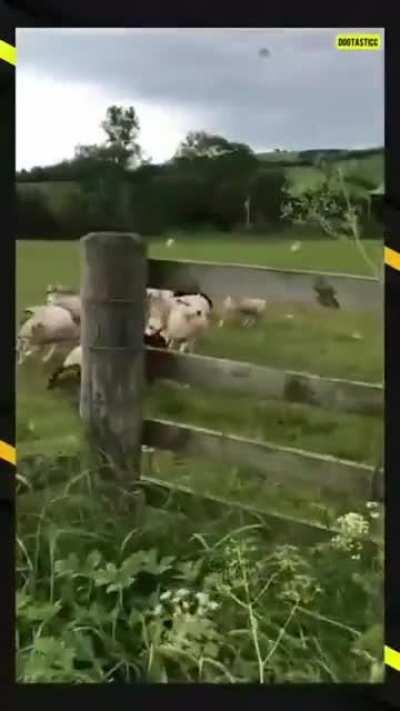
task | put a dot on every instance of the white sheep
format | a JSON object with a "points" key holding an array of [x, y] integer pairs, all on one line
{"points": [[70, 302], [179, 319], [48, 326], [188, 318], [249, 309], [67, 298]]}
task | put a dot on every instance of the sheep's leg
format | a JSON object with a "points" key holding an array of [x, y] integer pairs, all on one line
{"points": [[20, 357], [25, 350], [49, 353], [19, 352]]}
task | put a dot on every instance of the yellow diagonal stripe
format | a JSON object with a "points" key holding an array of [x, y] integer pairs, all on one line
{"points": [[7, 452], [392, 258], [8, 52], [392, 658]]}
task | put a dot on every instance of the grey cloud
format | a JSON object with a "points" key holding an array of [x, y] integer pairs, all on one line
{"points": [[304, 92]]}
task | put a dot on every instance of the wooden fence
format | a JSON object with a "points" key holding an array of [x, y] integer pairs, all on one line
{"points": [[115, 274]]}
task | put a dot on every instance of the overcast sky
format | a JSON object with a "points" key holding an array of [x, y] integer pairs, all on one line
{"points": [[305, 94]]}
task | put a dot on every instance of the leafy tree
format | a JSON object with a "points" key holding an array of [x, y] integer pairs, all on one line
{"points": [[121, 126], [332, 209], [199, 144], [228, 204], [266, 194]]}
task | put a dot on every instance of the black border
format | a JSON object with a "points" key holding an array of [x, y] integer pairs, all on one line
{"points": [[76, 13]]}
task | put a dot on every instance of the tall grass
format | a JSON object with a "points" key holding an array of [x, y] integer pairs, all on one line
{"points": [[179, 599]]}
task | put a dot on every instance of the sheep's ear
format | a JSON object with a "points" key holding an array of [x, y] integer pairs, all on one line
{"points": [[207, 298]]}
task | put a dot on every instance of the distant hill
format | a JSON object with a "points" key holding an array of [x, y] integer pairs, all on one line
{"points": [[303, 168], [310, 156]]}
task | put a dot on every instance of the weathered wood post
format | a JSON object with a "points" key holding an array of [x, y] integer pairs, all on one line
{"points": [[113, 357]]}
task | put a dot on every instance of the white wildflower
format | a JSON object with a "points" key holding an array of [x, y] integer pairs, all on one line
{"points": [[166, 595], [182, 592], [213, 605], [353, 528], [353, 525], [371, 505], [202, 598]]}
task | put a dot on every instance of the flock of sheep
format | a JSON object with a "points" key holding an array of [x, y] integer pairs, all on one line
{"points": [[174, 320]]}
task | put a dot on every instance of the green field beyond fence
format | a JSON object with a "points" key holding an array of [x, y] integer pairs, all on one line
{"points": [[325, 342]]}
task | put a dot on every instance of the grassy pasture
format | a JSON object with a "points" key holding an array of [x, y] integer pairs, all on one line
{"points": [[312, 340]]}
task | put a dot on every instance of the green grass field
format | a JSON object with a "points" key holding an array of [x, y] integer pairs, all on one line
{"points": [[311, 341]]}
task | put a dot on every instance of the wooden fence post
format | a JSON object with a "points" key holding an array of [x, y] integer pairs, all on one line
{"points": [[113, 357]]}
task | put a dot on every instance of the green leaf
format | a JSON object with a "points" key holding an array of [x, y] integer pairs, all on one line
{"points": [[93, 560], [39, 612], [67, 566], [210, 649], [105, 576], [146, 561], [190, 570], [135, 617], [82, 645]]}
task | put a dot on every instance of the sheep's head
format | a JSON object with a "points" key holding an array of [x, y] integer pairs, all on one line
{"points": [[189, 318], [228, 304], [54, 291], [155, 324]]}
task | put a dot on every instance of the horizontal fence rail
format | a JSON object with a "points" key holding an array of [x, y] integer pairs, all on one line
{"points": [[327, 289], [61, 475], [282, 527], [265, 382], [282, 465]]}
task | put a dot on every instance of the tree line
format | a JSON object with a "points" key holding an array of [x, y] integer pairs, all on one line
{"points": [[210, 181]]}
